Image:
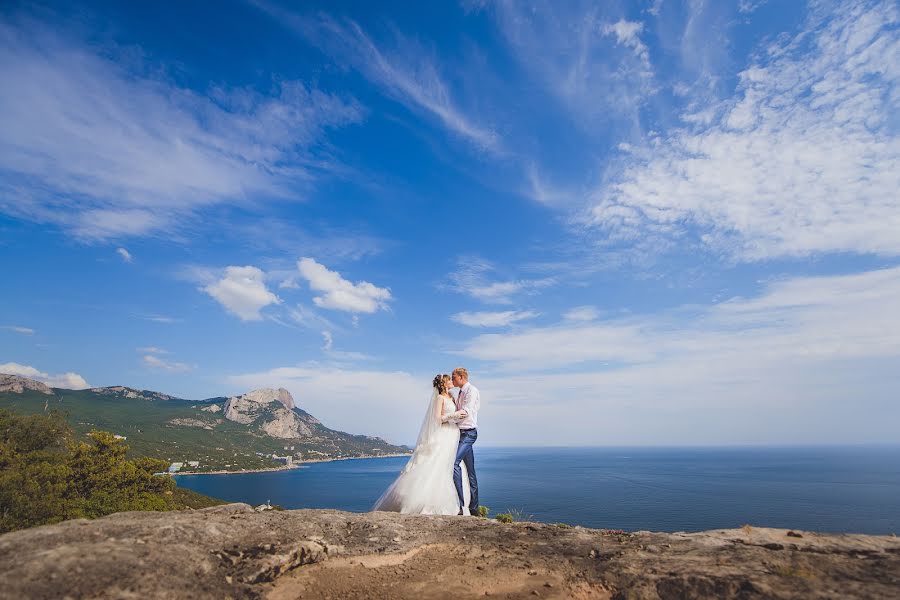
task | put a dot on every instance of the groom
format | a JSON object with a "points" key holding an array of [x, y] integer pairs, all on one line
{"points": [[468, 400]]}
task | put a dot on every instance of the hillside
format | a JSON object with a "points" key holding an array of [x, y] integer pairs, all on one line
{"points": [[241, 432]]}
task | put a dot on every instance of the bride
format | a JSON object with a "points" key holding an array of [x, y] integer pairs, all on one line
{"points": [[425, 485]]}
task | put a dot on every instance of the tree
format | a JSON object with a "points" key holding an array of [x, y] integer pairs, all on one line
{"points": [[47, 477]]}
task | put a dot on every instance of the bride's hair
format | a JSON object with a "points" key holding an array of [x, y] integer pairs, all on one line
{"points": [[440, 383]]}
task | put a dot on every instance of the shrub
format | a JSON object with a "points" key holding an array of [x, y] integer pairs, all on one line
{"points": [[48, 477], [483, 512], [504, 518]]}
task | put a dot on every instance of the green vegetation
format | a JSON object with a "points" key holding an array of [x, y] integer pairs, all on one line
{"points": [[504, 518], [48, 475], [483, 512], [178, 430]]}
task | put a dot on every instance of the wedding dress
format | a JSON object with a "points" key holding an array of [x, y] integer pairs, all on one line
{"points": [[425, 485]]}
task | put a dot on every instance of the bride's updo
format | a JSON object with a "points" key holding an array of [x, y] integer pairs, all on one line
{"points": [[440, 384]]}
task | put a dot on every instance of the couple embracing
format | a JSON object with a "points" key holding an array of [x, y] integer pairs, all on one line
{"points": [[439, 478]]}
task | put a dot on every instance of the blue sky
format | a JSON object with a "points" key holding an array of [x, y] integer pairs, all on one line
{"points": [[650, 222]]}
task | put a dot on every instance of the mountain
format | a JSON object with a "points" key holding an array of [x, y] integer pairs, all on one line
{"points": [[235, 433]]}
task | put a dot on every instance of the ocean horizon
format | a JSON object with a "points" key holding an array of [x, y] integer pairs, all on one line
{"points": [[838, 489]]}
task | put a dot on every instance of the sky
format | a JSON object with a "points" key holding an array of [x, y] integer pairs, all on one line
{"points": [[648, 222]]}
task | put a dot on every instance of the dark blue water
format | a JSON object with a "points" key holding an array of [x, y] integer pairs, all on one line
{"points": [[822, 489]]}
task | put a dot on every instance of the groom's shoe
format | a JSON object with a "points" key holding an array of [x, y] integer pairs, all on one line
{"points": [[473, 511], [460, 513]]}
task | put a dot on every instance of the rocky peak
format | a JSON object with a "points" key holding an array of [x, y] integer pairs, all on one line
{"points": [[266, 396], [18, 384], [273, 410]]}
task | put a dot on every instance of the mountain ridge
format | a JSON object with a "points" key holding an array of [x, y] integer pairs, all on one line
{"points": [[259, 429]]}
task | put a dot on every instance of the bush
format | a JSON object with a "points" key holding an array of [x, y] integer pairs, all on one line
{"points": [[48, 477], [504, 518], [483, 512]]}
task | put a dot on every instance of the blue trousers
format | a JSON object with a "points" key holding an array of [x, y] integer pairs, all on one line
{"points": [[465, 454]]}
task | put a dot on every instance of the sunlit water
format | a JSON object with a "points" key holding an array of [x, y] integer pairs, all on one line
{"points": [[833, 489]]}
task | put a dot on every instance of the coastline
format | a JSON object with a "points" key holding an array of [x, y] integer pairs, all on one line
{"points": [[298, 464]]}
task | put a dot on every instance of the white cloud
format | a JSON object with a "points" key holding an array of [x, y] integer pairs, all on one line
{"points": [[125, 254], [493, 319], [389, 404], [152, 350], [156, 362], [243, 292], [473, 277], [340, 294], [628, 34], [804, 158], [810, 359], [162, 319], [19, 329], [72, 381], [102, 144], [404, 72], [582, 313]]}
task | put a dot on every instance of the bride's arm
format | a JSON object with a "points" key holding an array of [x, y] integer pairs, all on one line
{"points": [[445, 418]]}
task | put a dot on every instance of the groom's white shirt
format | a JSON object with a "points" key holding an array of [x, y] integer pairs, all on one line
{"points": [[471, 402]]}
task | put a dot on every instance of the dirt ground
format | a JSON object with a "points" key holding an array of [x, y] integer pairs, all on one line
{"points": [[233, 551]]}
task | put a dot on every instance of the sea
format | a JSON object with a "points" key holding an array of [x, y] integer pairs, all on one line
{"points": [[827, 489]]}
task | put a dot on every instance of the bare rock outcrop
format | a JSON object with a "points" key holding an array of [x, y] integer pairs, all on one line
{"points": [[285, 424], [234, 551], [273, 410], [18, 384]]}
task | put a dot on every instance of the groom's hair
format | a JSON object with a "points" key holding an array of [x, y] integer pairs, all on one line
{"points": [[461, 371]]}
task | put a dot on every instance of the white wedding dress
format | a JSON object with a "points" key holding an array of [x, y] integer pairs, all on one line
{"points": [[425, 485]]}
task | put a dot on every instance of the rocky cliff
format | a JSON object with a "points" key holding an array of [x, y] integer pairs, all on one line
{"points": [[17, 385], [234, 552], [273, 411]]}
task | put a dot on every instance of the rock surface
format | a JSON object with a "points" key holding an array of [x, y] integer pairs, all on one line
{"points": [[18, 384], [234, 551], [273, 411]]}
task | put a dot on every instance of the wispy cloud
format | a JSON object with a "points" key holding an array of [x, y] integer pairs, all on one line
{"points": [[162, 319], [152, 350], [72, 381], [18, 329], [803, 159], [125, 254], [339, 293], [493, 319], [582, 314], [156, 362], [107, 147], [802, 319], [593, 62], [405, 70], [242, 291], [476, 277], [818, 352]]}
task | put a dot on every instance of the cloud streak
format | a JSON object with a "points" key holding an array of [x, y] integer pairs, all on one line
{"points": [[107, 151], [403, 71]]}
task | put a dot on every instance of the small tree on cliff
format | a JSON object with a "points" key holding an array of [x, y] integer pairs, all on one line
{"points": [[47, 477]]}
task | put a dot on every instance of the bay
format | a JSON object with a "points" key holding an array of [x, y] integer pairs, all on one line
{"points": [[829, 489]]}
